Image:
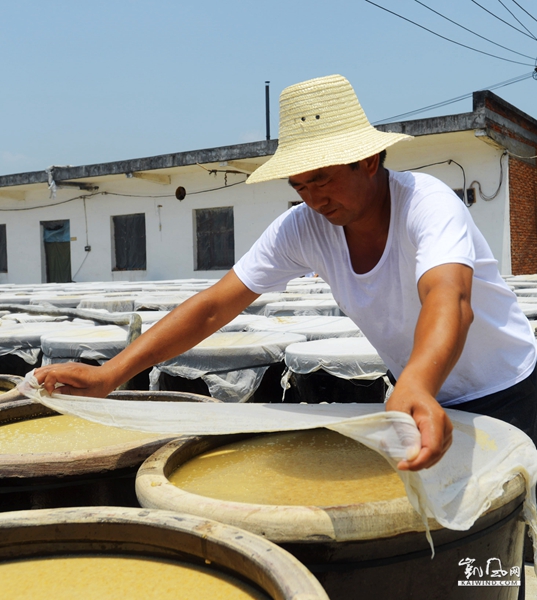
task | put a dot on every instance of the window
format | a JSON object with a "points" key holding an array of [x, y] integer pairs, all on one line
{"points": [[129, 242], [3, 249], [215, 238]]}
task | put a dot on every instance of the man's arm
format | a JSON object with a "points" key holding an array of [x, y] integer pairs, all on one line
{"points": [[186, 326], [444, 320]]}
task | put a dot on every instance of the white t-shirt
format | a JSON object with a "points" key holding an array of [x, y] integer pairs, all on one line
{"points": [[429, 226]]}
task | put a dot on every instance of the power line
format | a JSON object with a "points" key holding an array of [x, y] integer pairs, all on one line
{"points": [[457, 99], [52, 204], [517, 19], [516, 62], [472, 32], [522, 8], [500, 19]]}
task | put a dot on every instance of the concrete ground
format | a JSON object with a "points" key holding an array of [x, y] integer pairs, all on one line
{"points": [[531, 582]]}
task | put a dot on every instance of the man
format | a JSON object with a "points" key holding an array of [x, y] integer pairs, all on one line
{"points": [[404, 261]]}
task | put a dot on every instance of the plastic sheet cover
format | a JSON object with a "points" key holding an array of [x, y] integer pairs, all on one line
{"points": [[484, 455], [348, 358], [232, 364], [313, 327]]}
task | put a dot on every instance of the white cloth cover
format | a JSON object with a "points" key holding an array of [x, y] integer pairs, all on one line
{"points": [[111, 303], [522, 292], [230, 386], [15, 299], [232, 364], [305, 287], [229, 351], [24, 339], [31, 318], [242, 323], [58, 301], [348, 358], [484, 455], [316, 327], [257, 307], [161, 301], [308, 307], [529, 309], [95, 343]]}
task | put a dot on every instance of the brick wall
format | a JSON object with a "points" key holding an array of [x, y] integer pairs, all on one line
{"points": [[523, 215], [520, 127]]}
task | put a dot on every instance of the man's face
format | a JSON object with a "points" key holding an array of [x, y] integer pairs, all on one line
{"points": [[339, 193]]}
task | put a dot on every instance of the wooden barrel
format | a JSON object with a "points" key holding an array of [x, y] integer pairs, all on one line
{"points": [[158, 535], [374, 549], [89, 477]]}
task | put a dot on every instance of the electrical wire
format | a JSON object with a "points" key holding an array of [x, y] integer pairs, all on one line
{"points": [[86, 220], [517, 19], [457, 99], [518, 156], [87, 239], [516, 62], [475, 182], [502, 20], [522, 8], [49, 205], [472, 32], [222, 187], [81, 265], [448, 162], [484, 196]]}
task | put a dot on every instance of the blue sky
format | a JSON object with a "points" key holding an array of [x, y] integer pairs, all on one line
{"points": [[90, 82]]}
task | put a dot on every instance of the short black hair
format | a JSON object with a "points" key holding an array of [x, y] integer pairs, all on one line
{"points": [[382, 158]]}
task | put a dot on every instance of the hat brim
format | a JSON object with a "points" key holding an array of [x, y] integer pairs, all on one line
{"points": [[341, 149]]}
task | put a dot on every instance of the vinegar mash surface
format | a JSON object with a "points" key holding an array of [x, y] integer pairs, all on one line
{"points": [[62, 433], [117, 578], [316, 468]]}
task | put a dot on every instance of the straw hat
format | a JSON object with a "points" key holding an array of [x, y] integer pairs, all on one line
{"points": [[321, 124]]}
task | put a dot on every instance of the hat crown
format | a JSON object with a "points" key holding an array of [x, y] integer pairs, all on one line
{"points": [[321, 107]]}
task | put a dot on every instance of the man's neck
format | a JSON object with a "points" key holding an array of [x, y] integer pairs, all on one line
{"points": [[367, 238]]}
